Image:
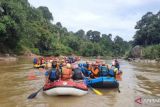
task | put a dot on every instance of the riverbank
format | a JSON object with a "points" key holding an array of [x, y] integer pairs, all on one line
{"points": [[13, 57], [98, 57], [8, 57], [145, 61]]}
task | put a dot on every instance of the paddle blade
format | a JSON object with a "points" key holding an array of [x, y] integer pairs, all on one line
{"points": [[33, 95], [119, 90], [96, 91]]}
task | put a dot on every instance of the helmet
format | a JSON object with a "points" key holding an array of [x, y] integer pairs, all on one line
{"points": [[68, 65]]}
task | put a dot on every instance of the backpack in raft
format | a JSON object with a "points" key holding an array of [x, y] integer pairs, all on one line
{"points": [[77, 74], [111, 73], [53, 75], [103, 71]]}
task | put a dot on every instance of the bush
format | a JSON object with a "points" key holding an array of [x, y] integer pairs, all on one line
{"points": [[35, 51], [151, 52]]}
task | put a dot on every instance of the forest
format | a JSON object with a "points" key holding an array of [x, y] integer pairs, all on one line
{"points": [[24, 28], [148, 35]]}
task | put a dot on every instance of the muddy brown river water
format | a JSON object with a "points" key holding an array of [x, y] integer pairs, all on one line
{"points": [[138, 81]]}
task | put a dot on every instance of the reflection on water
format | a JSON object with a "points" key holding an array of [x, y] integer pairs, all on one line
{"points": [[137, 80]]}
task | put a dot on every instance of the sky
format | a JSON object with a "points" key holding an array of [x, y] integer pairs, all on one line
{"points": [[117, 17]]}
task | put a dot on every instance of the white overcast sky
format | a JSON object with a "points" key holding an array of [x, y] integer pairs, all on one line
{"points": [[117, 17]]}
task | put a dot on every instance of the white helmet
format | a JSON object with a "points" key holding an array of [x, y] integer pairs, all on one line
{"points": [[68, 65]]}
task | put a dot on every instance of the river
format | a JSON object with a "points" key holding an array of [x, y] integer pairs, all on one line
{"points": [[138, 80]]}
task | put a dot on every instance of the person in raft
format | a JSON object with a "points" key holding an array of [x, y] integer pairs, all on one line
{"points": [[77, 73], [115, 63], [52, 74], [35, 61], [104, 71], [95, 71], [88, 67], [116, 68], [66, 73]]}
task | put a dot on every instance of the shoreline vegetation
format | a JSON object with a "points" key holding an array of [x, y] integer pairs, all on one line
{"points": [[24, 28], [146, 44], [29, 31]]}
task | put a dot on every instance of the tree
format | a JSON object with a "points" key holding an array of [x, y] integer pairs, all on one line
{"points": [[120, 46], [26, 28], [148, 30], [46, 13], [94, 36], [59, 25], [81, 33]]}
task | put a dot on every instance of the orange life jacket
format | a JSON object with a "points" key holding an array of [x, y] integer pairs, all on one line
{"points": [[95, 72], [66, 73], [89, 68], [57, 65]]}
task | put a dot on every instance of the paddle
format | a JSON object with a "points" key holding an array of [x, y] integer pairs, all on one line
{"points": [[33, 95], [93, 89], [119, 89]]}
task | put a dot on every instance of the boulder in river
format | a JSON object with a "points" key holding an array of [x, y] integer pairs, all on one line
{"points": [[136, 51]]}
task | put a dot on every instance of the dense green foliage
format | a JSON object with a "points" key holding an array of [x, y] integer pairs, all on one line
{"points": [[24, 28], [148, 35], [148, 30], [152, 52]]}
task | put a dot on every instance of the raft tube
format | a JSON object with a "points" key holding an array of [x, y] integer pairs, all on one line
{"points": [[103, 82], [65, 88]]}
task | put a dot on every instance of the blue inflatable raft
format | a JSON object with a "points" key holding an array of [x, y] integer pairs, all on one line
{"points": [[103, 82]]}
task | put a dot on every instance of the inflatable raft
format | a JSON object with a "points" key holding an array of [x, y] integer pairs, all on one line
{"points": [[103, 82], [66, 88]]}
